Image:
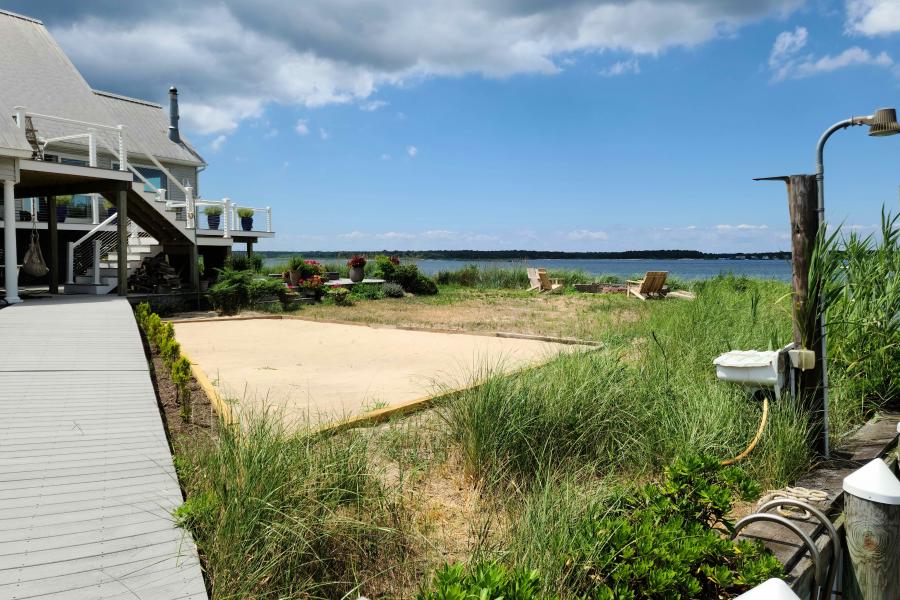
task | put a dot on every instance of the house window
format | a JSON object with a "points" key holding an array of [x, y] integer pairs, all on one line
{"points": [[73, 161], [154, 176]]}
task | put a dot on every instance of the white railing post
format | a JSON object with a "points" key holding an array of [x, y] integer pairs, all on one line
{"points": [[95, 209], [34, 207], [161, 196], [97, 246], [269, 219], [92, 147], [123, 153], [225, 217], [189, 206], [20, 116], [70, 274]]}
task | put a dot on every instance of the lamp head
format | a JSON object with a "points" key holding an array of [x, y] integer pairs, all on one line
{"points": [[884, 122]]}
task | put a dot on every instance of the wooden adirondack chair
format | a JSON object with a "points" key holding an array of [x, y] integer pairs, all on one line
{"points": [[533, 279], [651, 286], [547, 284]]}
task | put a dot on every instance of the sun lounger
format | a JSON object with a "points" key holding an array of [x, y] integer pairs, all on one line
{"points": [[653, 285], [533, 279], [547, 284]]}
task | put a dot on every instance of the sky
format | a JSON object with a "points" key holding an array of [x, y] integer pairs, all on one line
{"points": [[512, 124]]}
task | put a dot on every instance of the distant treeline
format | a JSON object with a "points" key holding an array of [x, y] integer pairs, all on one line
{"points": [[538, 254]]}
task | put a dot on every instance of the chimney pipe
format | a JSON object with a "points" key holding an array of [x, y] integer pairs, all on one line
{"points": [[173, 115]]}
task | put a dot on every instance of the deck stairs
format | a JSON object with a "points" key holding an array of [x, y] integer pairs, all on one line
{"points": [[165, 219], [139, 248]]}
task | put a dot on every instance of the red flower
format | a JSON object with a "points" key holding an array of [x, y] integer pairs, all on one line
{"points": [[395, 260], [357, 261]]}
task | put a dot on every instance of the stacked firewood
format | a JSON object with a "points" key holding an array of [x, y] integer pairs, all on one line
{"points": [[154, 275]]}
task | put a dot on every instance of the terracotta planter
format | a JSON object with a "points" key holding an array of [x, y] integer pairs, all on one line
{"points": [[357, 274]]}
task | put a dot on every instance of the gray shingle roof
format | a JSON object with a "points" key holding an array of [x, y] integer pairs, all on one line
{"points": [[37, 74], [148, 124], [12, 139]]}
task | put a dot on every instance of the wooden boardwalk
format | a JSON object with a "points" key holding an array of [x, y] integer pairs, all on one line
{"points": [[87, 485]]}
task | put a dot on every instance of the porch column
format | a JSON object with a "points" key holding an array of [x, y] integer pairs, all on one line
{"points": [[249, 248], [194, 269], [53, 234], [122, 249], [9, 242]]}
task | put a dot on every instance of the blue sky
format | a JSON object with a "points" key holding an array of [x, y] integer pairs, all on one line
{"points": [[534, 125]]}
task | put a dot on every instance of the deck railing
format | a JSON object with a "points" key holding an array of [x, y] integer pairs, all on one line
{"points": [[115, 139]]}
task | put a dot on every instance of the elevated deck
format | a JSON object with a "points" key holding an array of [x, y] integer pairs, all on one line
{"points": [[87, 485]]}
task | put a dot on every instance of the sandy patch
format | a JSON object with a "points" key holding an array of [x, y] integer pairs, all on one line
{"points": [[325, 371]]}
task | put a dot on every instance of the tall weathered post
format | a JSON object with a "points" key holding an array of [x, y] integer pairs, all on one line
{"points": [[872, 521], [802, 204]]}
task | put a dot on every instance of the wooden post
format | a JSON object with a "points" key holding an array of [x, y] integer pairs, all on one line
{"points": [[53, 234], [802, 203], [249, 248], [872, 523], [194, 267], [122, 249]]}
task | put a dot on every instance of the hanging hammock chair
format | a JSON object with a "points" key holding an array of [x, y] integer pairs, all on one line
{"points": [[33, 263]]}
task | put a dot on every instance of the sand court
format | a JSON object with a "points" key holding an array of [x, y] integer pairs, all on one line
{"points": [[326, 371]]}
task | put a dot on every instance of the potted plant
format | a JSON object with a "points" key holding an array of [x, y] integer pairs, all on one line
{"points": [[300, 270], [357, 266], [311, 287], [110, 209], [246, 216], [62, 208], [213, 216]]}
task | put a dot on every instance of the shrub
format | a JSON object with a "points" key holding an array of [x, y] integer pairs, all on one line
{"points": [[242, 262], [664, 543], [411, 280], [484, 580], [240, 289], [385, 266], [368, 292], [393, 290], [340, 296], [181, 377]]}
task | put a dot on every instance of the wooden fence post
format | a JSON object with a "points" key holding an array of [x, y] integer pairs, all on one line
{"points": [[802, 203]]}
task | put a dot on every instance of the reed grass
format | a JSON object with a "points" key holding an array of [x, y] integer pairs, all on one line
{"points": [[287, 515]]}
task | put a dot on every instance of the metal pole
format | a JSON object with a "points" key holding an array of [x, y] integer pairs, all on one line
{"points": [[820, 182]]}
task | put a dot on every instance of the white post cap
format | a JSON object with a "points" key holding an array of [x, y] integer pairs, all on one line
{"points": [[773, 589], [874, 482]]}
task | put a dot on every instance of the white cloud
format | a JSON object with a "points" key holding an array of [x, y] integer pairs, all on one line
{"points": [[742, 227], [873, 17], [321, 52], [217, 143], [412, 151], [786, 62], [787, 44], [323, 134], [372, 105], [584, 234], [302, 127], [622, 67]]}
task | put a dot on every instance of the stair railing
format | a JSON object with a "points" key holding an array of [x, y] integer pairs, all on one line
{"points": [[83, 254]]}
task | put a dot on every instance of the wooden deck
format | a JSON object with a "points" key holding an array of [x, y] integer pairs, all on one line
{"points": [[87, 485]]}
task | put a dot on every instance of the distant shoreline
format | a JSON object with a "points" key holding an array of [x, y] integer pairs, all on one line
{"points": [[536, 254]]}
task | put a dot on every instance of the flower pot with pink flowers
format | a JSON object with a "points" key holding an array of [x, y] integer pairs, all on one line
{"points": [[357, 266]]}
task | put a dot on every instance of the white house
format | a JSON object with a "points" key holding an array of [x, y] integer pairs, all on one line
{"points": [[99, 176]]}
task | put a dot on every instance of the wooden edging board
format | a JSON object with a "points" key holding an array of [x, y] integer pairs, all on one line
{"points": [[222, 407]]}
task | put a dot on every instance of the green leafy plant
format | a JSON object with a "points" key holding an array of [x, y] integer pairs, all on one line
{"points": [[482, 581], [242, 262], [340, 296], [245, 213], [181, 377], [213, 211], [665, 541], [411, 280], [393, 290], [367, 292], [304, 268]]}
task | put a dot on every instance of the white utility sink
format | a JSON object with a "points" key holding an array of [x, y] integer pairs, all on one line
{"points": [[757, 368]]}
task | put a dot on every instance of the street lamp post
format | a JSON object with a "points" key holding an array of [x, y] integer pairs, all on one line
{"points": [[882, 123]]}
